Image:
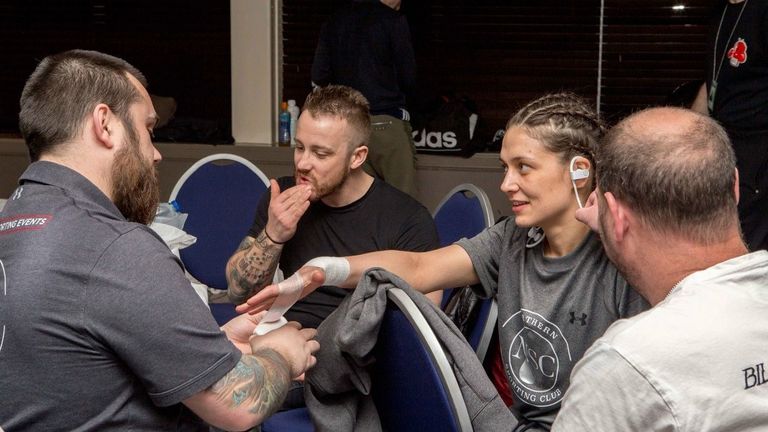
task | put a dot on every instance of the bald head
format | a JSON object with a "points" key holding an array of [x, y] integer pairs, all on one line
{"points": [[675, 168], [665, 120], [662, 126]]}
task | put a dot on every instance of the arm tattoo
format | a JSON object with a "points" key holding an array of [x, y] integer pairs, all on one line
{"points": [[245, 244], [254, 268], [259, 381]]}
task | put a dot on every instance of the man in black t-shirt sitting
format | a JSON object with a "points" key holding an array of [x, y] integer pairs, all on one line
{"points": [[331, 207]]}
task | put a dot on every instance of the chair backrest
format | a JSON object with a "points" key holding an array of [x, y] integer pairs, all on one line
{"points": [[482, 332], [220, 194], [414, 387], [463, 212]]}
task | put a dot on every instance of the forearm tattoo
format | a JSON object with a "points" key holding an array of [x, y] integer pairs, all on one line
{"points": [[254, 269], [259, 381]]}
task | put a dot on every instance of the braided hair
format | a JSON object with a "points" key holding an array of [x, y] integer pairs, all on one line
{"points": [[564, 123]]}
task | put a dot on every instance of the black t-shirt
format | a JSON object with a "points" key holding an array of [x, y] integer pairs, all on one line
{"points": [[740, 65], [384, 218]]}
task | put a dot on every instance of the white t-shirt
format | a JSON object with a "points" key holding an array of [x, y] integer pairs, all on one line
{"points": [[695, 362]]}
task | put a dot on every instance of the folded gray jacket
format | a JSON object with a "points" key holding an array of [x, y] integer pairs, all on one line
{"points": [[337, 390]]}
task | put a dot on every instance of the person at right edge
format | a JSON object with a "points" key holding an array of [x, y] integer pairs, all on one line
{"points": [[735, 95], [367, 46]]}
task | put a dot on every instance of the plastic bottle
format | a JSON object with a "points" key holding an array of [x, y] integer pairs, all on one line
{"points": [[284, 131], [167, 209], [293, 110], [170, 214]]}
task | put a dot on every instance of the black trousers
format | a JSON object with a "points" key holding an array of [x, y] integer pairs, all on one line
{"points": [[752, 161]]}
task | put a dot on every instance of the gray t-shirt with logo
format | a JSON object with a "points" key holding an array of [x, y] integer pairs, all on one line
{"points": [[550, 310], [100, 328]]}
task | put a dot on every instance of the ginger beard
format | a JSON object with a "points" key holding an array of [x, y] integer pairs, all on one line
{"points": [[135, 184], [325, 187]]}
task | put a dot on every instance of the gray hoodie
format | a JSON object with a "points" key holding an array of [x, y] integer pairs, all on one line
{"points": [[338, 388]]}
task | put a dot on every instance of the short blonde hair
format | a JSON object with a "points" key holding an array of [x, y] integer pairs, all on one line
{"points": [[345, 103]]}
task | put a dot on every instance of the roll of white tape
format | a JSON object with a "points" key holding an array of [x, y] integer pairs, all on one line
{"points": [[266, 327], [289, 292]]}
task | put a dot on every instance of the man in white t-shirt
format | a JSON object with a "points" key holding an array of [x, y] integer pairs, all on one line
{"points": [[665, 207]]}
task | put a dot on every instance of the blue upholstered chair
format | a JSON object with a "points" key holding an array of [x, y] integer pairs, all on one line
{"points": [[414, 387], [294, 420], [484, 326], [463, 212], [219, 193]]}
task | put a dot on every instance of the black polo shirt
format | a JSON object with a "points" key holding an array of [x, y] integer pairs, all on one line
{"points": [[100, 328]]}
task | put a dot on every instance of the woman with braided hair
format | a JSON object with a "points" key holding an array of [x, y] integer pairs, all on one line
{"points": [[557, 291]]}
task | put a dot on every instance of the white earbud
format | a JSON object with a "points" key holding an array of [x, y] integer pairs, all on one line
{"points": [[577, 174], [580, 173]]}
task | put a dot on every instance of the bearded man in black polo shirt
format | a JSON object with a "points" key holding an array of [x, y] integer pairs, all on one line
{"points": [[81, 347]]}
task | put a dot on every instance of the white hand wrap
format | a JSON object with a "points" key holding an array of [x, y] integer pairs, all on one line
{"points": [[336, 272], [336, 269], [289, 292]]}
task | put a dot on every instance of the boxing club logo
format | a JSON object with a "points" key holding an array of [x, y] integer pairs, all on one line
{"points": [[537, 356]]}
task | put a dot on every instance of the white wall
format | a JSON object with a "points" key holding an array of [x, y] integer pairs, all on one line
{"points": [[255, 46]]}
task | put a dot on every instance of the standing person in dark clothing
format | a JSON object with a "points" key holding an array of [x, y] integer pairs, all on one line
{"points": [[735, 95], [367, 46]]}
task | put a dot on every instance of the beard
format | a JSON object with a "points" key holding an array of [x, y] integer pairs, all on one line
{"points": [[323, 188], [135, 185]]}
